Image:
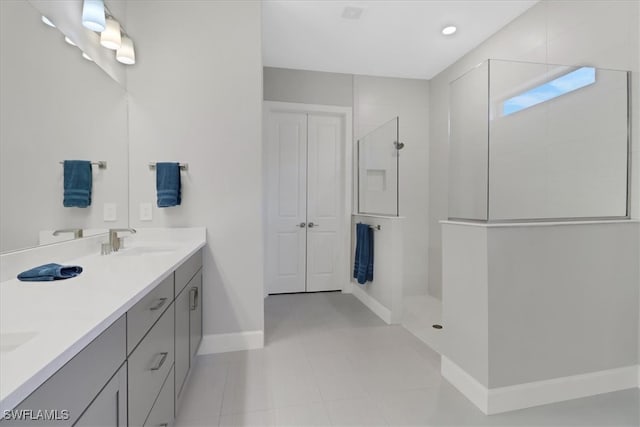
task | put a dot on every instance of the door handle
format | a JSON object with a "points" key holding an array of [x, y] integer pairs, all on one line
{"points": [[301, 225], [193, 294], [159, 304], [163, 357], [311, 225]]}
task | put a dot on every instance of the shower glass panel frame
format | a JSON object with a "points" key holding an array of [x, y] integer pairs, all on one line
{"points": [[378, 165], [532, 142]]}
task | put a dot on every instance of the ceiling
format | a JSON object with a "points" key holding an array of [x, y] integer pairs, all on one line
{"points": [[391, 38]]}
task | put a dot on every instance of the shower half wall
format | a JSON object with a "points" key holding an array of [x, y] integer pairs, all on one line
{"points": [[540, 258]]}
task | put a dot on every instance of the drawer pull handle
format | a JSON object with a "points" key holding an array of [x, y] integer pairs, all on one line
{"points": [[163, 357], [193, 293], [159, 304]]}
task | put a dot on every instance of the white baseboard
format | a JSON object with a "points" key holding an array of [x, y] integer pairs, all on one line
{"points": [[223, 343], [383, 312], [504, 399]]}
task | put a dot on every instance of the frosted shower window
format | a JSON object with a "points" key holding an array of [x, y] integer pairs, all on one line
{"points": [[378, 171], [557, 87]]}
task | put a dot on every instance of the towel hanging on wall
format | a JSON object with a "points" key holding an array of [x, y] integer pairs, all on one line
{"points": [[168, 185], [363, 264], [78, 181]]}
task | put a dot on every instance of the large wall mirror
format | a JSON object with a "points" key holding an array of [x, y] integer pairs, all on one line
{"points": [[55, 106]]}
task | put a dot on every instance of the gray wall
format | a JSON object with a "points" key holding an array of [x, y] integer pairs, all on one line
{"points": [[599, 33], [308, 87], [376, 100], [196, 97]]}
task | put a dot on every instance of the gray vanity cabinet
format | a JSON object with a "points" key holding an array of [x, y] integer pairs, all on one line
{"points": [[74, 386], [195, 316], [183, 353], [188, 322], [109, 408], [132, 373]]}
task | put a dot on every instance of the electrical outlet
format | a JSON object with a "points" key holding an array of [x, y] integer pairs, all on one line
{"points": [[110, 212], [146, 212]]}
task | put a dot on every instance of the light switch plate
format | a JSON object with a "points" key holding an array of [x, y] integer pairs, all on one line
{"points": [[110, 212], [146, 212]]}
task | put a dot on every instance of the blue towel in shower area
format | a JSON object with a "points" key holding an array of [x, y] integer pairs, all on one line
{"points": [[363, 264], [78, 181], [168, 185]]}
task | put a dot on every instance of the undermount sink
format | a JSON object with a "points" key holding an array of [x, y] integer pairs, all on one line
{"points": [[12, 340], [146, 250]]}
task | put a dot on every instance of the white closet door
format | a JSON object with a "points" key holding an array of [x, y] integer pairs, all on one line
{"points": [[286, 202], [324, 206]]}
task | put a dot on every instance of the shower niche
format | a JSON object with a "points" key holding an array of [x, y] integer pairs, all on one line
{"points": [[539, 142], [378, 167]]}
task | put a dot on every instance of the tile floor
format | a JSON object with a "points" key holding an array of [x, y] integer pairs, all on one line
{"points": [[419, 313], [329, 361]]}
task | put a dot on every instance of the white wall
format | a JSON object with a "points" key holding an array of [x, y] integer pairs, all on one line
{"points": [[599, 33], [55, 106], [377, 100], [196, 97]]}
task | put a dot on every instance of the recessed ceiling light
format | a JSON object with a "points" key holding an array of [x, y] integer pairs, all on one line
{"points": [[351, 12], [47, 21], [449, 30], [68, 40]]}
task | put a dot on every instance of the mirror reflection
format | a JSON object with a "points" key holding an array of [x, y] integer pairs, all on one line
{"points": [[56, 106]]}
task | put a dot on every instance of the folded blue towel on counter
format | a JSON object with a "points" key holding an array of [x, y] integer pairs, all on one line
{"points": [[168, 184], [363, 264], [77, 183], [49, 272]]}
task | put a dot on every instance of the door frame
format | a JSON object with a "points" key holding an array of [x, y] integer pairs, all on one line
{"points": [[346, 113]]}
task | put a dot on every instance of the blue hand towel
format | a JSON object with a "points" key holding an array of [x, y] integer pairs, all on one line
{"points": [[363, 265], [168, 184], [49, 272], [77, 183]]}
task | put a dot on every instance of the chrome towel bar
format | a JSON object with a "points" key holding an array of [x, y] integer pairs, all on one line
{"points": [[183, 166]]}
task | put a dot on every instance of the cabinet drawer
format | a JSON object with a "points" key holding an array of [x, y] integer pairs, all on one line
{"points": [[149, 366], [75, 385], [143, 315], [161, 414], [187, 270]]}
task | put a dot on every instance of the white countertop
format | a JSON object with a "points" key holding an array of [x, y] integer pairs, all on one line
{"points": [[64, 316]]}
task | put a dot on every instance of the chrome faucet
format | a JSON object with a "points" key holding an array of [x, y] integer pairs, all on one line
{"points": [[77, 232], [115, 242]]}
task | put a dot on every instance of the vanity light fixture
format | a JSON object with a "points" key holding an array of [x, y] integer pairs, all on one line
{"points": [[68, 40], [93, 16], [48, 21], [449, 30], [111, 37], [126, 54]]}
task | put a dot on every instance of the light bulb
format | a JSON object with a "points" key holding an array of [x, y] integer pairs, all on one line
{"points": [[110, 37], [449, 30], [68, 40], [126, 54], [87, 57], [93, 16]]}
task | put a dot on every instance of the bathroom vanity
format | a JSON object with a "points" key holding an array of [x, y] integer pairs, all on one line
{"points": [[113, 346]]}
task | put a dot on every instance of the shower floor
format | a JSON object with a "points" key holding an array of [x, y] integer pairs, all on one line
{"points": [[419, 314]]}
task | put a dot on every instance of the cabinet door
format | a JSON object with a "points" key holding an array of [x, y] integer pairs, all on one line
{"points": [[109, 408], [161, 414], [183, 351], [195, 317]]}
